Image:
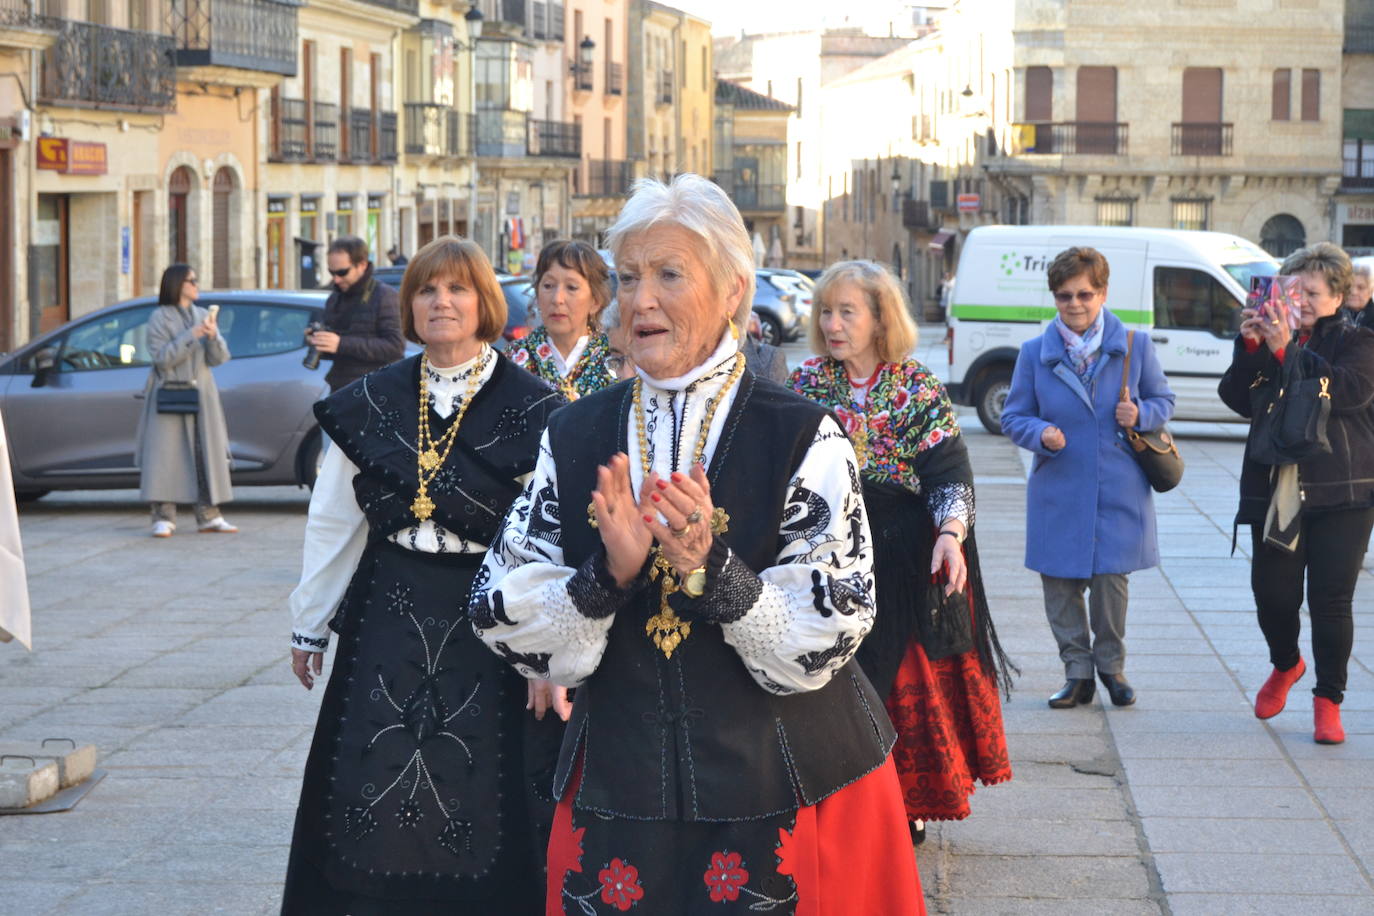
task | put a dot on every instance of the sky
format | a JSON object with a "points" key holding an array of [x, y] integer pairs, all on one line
{"points": [[728, 17]]}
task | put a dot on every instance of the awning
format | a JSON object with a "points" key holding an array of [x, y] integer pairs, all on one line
{"points": [[941, 239]]}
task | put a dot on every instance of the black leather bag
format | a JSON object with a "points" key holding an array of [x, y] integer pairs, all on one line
{"points": [[1289, 414], [178, 397], [1155, 452]]}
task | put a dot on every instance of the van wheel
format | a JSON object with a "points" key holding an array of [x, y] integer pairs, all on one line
{"points": [[992, 395]]}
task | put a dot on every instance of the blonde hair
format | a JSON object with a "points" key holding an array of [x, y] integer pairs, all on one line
{"points": [[464, 260], [896, 334], [1322, 258], [703, 209]]}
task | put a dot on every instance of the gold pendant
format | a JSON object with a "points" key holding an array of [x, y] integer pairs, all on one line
{"points": [[860, 440], [591, 514], [720, 521], [429, 459], [423, 507], [665, 628]]}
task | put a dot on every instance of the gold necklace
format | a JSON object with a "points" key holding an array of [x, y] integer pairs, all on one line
{"points": [[665, 628], [859, 437], [430, 455]]}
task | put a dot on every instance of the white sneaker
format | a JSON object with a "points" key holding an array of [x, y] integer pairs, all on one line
{"points": [[218, 526], [163, 529]]}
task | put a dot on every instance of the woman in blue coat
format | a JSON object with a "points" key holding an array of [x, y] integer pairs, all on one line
{"points": [[1090, 520]]}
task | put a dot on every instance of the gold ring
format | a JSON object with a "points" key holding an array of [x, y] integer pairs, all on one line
{"points": [[695, 516], [680, 532]]}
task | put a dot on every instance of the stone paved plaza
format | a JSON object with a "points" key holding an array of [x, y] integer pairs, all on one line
{"points": [[171, 656]]}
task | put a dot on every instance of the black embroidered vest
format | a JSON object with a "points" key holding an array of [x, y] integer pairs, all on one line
{"points": [[374, 420], [695, 737]]}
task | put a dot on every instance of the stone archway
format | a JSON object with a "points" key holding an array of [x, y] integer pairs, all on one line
{"points": [[1282, 234], [180, 186]]}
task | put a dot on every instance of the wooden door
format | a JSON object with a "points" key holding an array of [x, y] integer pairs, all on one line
{"points": [[222, 227]]}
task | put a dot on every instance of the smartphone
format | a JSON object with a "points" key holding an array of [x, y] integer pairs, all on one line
{"points": [[214, 312], [1276, 297]]}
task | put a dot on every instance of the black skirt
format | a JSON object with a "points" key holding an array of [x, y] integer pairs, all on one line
{"points": [[428, 787]]}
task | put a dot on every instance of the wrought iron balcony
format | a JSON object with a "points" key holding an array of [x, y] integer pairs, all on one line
{"points": [[1070, 138], [665, 87], [512, 11], [756, 197], [615, 78], [245, 34], [1201, 139], [915, 213], [1358, 174], [555, 138], [608, 178], [386, 136], [290, 130], [102, 67], [401, 6], [325, 127], [21, 13], [431, 130], [582, 75], [502, 133], [360, 135]]}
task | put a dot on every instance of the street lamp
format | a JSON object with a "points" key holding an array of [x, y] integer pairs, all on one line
{"points": [[896, 180], [473, 19]]}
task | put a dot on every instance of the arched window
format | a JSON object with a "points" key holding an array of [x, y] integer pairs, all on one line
{"points": [[222, 225], [1282, 234], [178, 205]]}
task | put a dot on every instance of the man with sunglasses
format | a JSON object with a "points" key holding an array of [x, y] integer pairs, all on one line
{"points": [[362, 317]]}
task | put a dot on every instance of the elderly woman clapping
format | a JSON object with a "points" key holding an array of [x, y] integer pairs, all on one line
{"points": [[693, 554]]}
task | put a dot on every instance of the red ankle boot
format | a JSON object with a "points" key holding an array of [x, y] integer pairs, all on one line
{"points": [[1273, 696], [1327, 718]]}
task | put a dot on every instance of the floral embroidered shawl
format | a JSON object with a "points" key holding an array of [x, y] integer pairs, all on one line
{"points": [[590, 374]]}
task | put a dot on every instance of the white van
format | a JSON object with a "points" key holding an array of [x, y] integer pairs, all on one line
{"points": [[1184, 288]]}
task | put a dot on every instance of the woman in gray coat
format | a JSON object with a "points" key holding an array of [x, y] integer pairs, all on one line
{"points": [[184, 457]]}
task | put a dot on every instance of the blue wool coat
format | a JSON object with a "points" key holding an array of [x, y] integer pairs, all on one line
{"points": [[1088, 506]]}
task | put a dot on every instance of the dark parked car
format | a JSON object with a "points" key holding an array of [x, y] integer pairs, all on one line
{"points": [[519, 295], [775, 300], [72, 397]]}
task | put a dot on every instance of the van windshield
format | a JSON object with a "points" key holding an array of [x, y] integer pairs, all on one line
{"points": [[1244, 271]]}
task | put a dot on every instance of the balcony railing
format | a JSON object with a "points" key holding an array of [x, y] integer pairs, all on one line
{"points": [[401, 6], [246, 34], [501, 132], [95, 65], [289, 131], [20, 13], [665, 87], [432, 130], [1070, 138], [582, 76], [555, 138], [1358, 173], [326, 140], [915, 213], [1201, 139], [512, 11], [759, 196], [615, 78], [608, 178], [386, 136]]}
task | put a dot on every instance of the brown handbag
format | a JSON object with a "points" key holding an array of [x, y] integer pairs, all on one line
{"points": [[1155, 452]]}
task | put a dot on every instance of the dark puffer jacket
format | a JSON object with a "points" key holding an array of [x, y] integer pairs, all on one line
{"points": [[1344, 478], [367, 319]]}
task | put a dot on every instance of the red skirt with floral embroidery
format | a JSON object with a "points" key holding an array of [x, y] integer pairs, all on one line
{"points": [[948, 718], [849, 855]]}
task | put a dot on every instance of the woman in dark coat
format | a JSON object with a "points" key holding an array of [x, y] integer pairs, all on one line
{"points": [[427, 788], [1312, 518], [937, 672]]}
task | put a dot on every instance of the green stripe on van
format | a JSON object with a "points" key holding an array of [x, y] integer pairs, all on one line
{"points": [[1030, 313]]}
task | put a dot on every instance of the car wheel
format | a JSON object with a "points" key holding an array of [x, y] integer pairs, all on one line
{"points": [[310, 458], [771, 328], [28, 496], [991, 397]]}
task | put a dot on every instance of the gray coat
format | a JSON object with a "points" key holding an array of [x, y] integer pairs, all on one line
{"points": [[166, 444]]}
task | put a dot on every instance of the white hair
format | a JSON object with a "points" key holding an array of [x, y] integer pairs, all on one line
{"points": [[700, 206], [1362, 269], [610, 315]]}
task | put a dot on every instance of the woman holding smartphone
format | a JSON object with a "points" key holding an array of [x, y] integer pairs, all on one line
{"points": [[1310, 519], [183, 441]]}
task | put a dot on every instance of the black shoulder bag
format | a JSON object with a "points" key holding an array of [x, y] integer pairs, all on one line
{"points": [[1289, 414], [1155, 452], [178, 397]]}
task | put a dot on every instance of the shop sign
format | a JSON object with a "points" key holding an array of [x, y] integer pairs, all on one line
{"points": [[72, 157], [1359, 213], [968, 203]]}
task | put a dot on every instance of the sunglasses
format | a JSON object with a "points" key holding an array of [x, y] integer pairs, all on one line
{"points": [[341, 272], [1084, 296], [192, 280]]}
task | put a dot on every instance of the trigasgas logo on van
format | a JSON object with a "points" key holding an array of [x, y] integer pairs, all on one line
{"points": [[1018, 271]]}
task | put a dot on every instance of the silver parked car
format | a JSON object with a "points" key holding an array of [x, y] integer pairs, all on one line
{"points": [[71, 398]]}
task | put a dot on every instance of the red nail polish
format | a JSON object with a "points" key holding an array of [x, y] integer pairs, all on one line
{"points": [[676, 477], [663, 485], [649, 519], [655, 497]]}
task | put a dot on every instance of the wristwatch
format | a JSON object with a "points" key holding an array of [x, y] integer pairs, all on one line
{"points": [[694, 584]]}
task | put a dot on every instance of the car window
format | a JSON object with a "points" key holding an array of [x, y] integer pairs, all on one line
{"points": [[518, 295], [1189, 299], [115, 341], [259, 329]]}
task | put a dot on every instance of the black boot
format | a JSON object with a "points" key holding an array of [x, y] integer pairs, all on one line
{"points": [[1075, 692], [1122, 693]]}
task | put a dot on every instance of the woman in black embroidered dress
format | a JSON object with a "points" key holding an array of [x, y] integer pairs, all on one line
{"points": [[693, 554], [423, 787]]}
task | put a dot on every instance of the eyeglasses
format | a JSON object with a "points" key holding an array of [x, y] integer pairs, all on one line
{"points": [[341, 272], [616, 362], [192, 280], [1064, 297]]}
